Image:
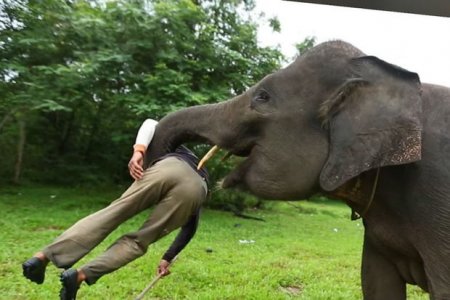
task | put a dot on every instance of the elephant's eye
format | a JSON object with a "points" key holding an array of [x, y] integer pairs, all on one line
{"points": [[262, 97]]}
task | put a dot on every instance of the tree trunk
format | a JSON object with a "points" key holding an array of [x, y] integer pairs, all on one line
{"points": [[6, 118], [20, 151], [94, 130], [66, 133]]}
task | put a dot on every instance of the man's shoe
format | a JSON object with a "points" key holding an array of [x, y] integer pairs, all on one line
{"points": [[70, 286], [34, 269]]}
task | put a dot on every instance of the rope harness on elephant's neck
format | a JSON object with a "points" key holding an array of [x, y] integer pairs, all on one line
{"points": [[355, 214]]}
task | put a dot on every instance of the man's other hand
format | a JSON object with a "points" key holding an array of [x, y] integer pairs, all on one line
{"points": [[163, 268], [135, 165]]}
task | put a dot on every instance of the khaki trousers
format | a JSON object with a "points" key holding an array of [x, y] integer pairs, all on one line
{"points": [[170, 184]]}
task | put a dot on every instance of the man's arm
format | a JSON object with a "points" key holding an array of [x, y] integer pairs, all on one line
{"points": [[182, 239], [143, 139]]}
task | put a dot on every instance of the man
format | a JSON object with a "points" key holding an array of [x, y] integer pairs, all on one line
{"points": [[172, 184]]}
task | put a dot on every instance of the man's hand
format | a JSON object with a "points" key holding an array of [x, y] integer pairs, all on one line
{"points": [[163, 268], [135, 165]]}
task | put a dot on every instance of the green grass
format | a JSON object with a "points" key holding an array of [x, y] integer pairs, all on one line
{"points": [[306, 250]]}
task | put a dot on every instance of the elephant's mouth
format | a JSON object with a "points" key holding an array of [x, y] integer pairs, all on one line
{"points": [[243, 151], [235, 177]]}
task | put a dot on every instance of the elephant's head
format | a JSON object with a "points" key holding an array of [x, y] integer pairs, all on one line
{"points": [[329, 116]]}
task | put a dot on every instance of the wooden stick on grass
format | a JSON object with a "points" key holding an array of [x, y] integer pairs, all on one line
{"points": [[153, 282]]}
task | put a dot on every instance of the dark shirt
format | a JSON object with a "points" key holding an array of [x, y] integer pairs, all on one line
{"points": [[185, 154], [187, 230], [186, 233]]}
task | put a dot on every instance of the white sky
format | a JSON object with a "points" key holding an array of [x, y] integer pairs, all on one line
{"points": [[415, 42]]}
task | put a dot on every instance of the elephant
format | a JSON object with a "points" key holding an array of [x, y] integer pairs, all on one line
{"points": [[356, 128]]}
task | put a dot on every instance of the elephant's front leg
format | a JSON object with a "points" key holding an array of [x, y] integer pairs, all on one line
{"points": [[380, 278]]}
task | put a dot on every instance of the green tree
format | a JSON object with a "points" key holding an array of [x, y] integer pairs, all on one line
{"points": [[78, 77], [305, 45], [26, 51]]}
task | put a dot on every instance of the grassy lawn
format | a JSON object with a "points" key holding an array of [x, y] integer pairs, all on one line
{"points": [[304, 250]]}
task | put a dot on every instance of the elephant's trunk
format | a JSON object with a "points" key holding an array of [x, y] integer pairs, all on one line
{"points": [[204, 123]]}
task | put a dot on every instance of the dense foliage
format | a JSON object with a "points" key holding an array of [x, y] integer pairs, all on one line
{"points": [[78, 77]]}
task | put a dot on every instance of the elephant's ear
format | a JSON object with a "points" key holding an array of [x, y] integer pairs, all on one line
{"points": [[374, 120]]}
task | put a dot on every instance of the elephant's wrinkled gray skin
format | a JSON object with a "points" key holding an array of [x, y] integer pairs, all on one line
{"points": [[327, 123]]}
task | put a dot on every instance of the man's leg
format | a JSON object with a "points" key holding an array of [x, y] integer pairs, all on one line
{"points": [[186, 193], [87, 233]]}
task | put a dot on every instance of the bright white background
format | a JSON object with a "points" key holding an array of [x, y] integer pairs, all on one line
{"points": [[415, 42]]}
